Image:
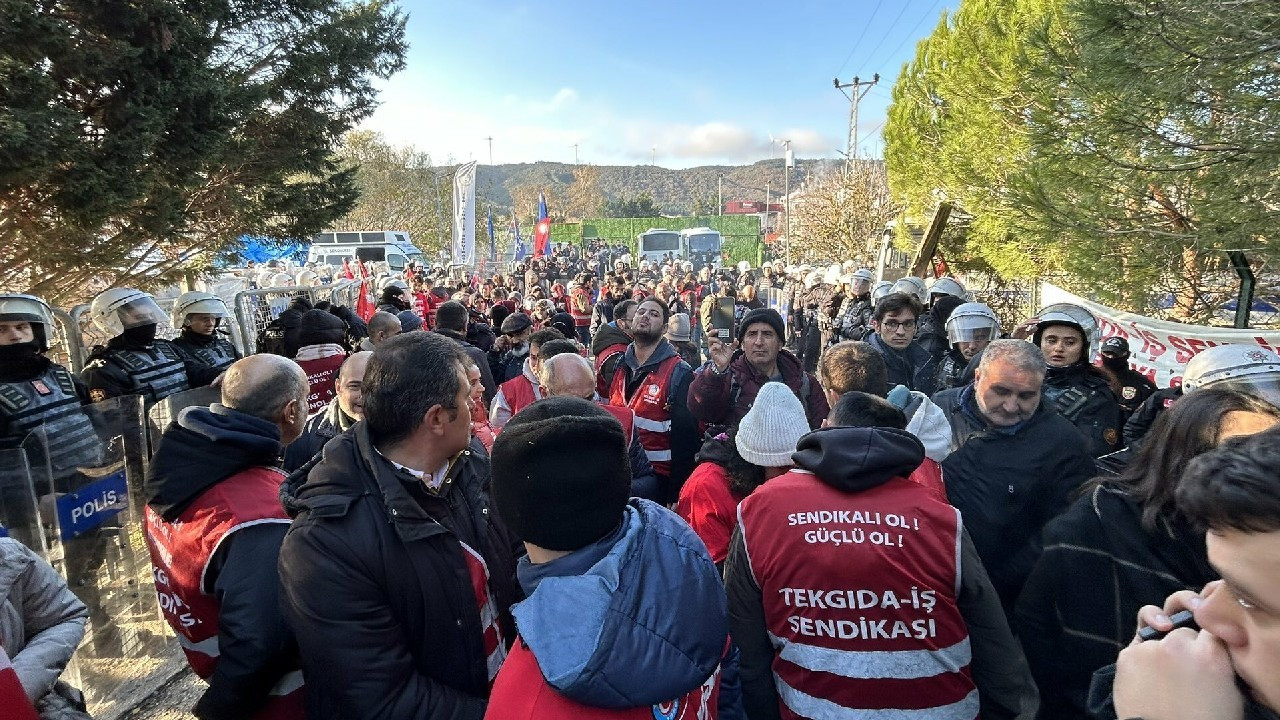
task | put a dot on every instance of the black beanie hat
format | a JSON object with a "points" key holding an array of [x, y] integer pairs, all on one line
{"points": [[318, 327], [561, 478], [762, 315]]}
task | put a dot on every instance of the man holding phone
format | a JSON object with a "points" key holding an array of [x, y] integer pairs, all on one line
{"points": [[724, 389]]}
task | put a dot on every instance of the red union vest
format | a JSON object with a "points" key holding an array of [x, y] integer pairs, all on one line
{"points": [[603, 384], [868, 621], [521, 693], [626, 416], [519, 392], [180, 555], [652, 406]]}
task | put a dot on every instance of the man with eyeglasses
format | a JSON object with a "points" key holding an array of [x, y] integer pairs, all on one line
{"points": [[895, 322]]}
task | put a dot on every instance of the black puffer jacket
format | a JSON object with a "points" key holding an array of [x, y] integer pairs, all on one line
{"points": [[374, 581], [1009, 482]]}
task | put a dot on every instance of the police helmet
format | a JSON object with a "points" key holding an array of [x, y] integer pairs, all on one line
{"points": [[914, 287], [948, 286], [972, 322], [881, 290], [16, 307], [197, 303], [307, 278], [120, 309], [1246, 368], [1072, 316]]}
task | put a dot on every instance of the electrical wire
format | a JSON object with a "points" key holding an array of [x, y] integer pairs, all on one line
{"points": [[861, 35]]}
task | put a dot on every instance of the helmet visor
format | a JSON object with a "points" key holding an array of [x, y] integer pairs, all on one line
{"points": [[142, 311], [1264, 386], [24, 309], [971, 329]]}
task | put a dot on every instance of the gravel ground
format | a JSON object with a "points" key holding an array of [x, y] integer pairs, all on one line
{"points": [[172, 701]]}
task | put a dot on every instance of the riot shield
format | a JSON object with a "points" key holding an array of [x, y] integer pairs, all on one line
{"points": [[166, 410], [98, 520], [778, 299], [24, 480]]}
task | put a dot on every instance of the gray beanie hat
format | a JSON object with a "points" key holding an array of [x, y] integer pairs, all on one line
{"points": [[770, 430]]}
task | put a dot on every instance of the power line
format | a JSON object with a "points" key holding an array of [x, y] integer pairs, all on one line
{"points": [[932, 12], [863, 34], [885, 35]]}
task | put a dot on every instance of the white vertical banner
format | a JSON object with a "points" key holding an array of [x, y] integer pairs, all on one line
{"points": [[464, 215]]}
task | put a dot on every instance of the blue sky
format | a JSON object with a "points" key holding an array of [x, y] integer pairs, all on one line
{"points": [[688, 83]]}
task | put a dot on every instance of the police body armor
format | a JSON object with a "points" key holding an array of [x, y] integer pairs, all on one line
{"points": [[154, 374], [1087, 401], [853, 320], [951, 370], [50, 400], [218, 353]]}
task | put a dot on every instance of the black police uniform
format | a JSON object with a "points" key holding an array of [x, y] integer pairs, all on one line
{"points": [[153, 370], [209, 350], [1136, 428], [853, 322], [951, 371], [1135, 388], [1081, 394]]}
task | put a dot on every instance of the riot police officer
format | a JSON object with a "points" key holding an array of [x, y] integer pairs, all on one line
{"points": [[970, 329], [200, 315], [1131, 387], [942, 296], [134, 361], [853, 319], [40, 396], [1079, 391]]}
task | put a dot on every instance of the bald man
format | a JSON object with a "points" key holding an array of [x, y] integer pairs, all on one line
{"points": [[343, 411], [571, 375], [382, 325], [214, 528]]}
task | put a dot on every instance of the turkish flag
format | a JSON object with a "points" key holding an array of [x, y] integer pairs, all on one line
{"points": [[542, 230]]}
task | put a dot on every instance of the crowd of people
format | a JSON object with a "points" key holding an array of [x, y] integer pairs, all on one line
{"points": [[572, 491]]}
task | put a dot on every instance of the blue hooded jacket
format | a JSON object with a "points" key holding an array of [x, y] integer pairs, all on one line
{"points": [[645, 623]]}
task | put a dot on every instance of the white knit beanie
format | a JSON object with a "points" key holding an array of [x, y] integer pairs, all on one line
{"points": [[770, 430]]}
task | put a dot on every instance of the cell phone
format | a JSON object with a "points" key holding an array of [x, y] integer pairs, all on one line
{"points": [[1184, 619], [722, 318]]}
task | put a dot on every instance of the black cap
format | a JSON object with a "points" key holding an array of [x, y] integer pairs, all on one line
{"points": [[561, 478], [1115, 344], [762, 315], [515, 323]]}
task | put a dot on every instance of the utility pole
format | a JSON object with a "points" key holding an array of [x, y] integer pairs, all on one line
{"points": [[719, 195], [860, 88], [653, 156], [490, 139], [575, 153], [787, 164]]}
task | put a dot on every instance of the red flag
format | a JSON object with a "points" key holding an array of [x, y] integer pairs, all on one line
{"points": [[542, 230], [365, 306], [346, 270]]}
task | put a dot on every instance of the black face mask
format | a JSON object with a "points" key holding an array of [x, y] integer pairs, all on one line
{"points": [[1115, 364], [142, 334], [21, 361], [18, 352]]}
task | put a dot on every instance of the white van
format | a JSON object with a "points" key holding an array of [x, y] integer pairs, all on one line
{"points": [[390, 246]]}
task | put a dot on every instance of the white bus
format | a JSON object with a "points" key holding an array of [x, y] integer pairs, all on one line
{"points": [[656, 245]]}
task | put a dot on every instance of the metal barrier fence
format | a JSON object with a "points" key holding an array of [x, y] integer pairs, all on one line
{"points": [[256, 309]]}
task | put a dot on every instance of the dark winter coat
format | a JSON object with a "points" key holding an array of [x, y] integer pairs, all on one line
{"points": [[320, 429], [1009, 482], [1080, 605], [477, 356], [724, 399], [913, 367], [375, 583], [1139, 424]]}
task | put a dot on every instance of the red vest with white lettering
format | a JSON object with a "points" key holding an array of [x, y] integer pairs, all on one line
{"points": [[580, 307], [652, 405], [322, 378], [521, 693], [859, 592], [180, 555]]}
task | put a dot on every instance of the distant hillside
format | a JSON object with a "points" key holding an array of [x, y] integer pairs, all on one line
{"points": [[676, 192]]}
